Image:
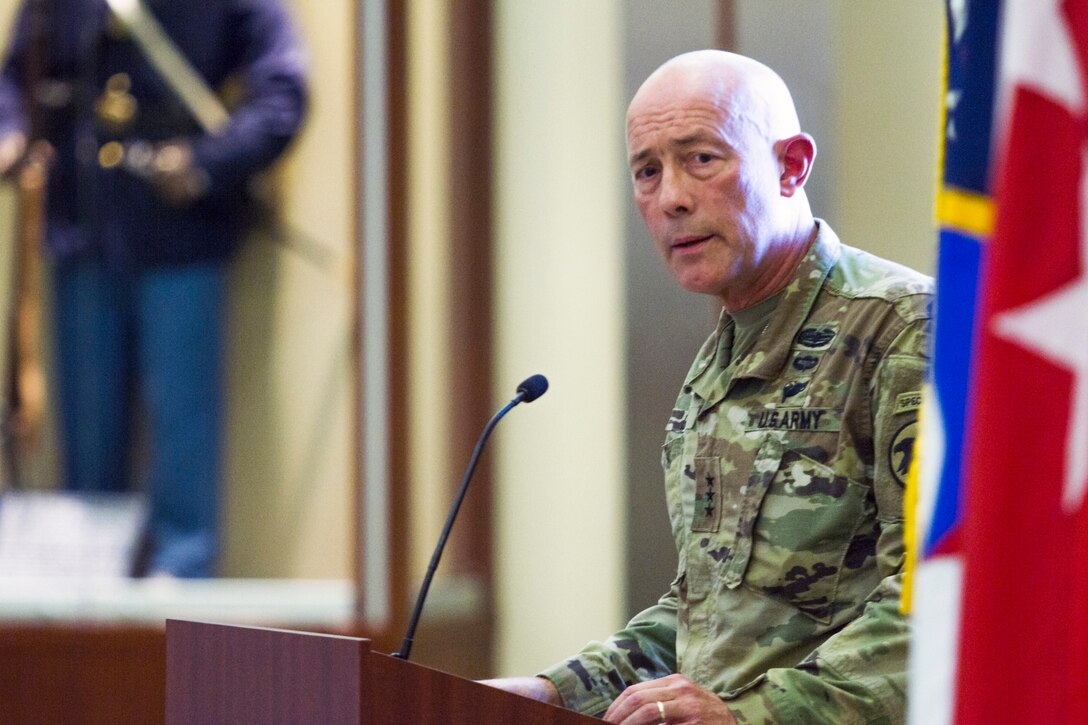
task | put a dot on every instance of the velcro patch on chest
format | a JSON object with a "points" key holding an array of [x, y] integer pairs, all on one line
{"points": [[805, 361], [817, 337], [707, 515], [804, 419]]}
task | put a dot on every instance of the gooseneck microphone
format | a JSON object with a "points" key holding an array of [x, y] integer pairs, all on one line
{"points": [[530, 389]]}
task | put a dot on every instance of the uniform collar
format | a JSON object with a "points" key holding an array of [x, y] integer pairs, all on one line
{"points": [[772, 348]]}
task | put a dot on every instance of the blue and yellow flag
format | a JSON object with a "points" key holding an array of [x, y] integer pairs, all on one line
{"points": [[965, 215]]}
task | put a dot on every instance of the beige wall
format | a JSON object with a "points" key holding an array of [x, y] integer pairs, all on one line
{"points": [[430, 457], [559, 220], [866, 77], [289, 493], [889, 108]]}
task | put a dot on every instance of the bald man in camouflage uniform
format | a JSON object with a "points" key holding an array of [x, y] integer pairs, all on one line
{"points": [[786, 452]]}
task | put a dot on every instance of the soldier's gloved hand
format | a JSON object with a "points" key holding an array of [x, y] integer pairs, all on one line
{"points": [[174, 175], [12, 148]]}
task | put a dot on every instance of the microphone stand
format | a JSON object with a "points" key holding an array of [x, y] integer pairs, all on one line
{"points": [[406, 645]]}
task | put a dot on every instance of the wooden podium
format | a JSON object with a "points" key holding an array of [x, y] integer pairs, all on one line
{"points": [[218, 673]]}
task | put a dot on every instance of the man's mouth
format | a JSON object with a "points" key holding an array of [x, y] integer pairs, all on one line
{"points": [[689, 241]]}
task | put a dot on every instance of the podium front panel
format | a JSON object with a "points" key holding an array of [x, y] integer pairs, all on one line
{"points": [[230, 674], [224, 674]]}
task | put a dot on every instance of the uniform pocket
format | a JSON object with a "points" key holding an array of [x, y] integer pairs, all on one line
{"points": [[807, 519]]}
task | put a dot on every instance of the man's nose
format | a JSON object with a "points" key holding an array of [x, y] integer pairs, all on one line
{"points": [[676, 195]]}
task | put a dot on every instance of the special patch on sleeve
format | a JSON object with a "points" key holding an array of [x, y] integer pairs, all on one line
{"points": [[901, 451], [906, 402]]}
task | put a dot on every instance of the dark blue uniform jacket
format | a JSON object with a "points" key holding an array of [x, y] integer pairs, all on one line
{"points": [[250, 45]]}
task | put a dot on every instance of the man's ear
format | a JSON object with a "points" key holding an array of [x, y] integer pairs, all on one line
{"points": [[796, 155]]}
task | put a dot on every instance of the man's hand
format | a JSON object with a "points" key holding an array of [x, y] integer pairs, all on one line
{"points": [[174, 175], [681, 701], [535, 688], [12, 148]]}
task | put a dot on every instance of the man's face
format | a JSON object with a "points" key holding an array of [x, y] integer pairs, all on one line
{"points": [[705, 178]]}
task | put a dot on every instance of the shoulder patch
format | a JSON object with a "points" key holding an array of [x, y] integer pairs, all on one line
{"points": [[901, 451]]}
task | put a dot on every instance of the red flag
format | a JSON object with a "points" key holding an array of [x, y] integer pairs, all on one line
{"points": [[1024, 631]]}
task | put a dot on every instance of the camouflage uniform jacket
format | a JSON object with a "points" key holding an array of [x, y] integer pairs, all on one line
{"points": [[784, 474]]}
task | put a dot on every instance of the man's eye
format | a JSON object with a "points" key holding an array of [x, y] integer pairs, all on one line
{"points": [[646, 172], [704, 158]]}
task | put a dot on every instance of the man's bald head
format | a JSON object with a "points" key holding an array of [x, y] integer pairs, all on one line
{"points": [[745, 88], [719, 164]]}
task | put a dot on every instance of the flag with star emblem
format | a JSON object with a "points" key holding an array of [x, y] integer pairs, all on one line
{"points": [[1009, 643], [1023, 653], [965, 215]]}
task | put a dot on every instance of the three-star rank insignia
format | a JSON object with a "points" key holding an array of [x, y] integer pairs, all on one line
{"points": [[708, 511]]}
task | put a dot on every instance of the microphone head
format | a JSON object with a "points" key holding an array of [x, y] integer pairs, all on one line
{"points": [[532, 388]]}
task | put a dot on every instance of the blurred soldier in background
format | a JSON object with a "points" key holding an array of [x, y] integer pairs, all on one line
{"points": [[154, 116]]}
